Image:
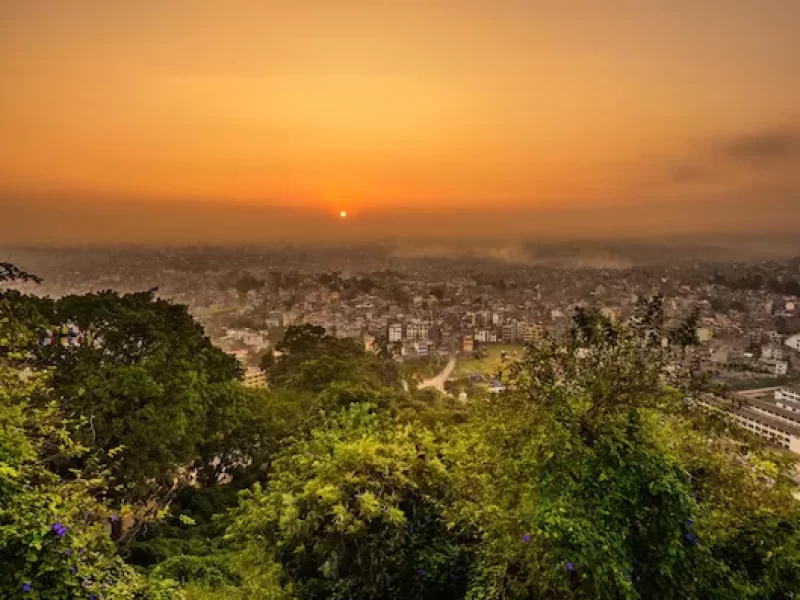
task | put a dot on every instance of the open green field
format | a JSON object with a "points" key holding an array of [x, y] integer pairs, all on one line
{"points": [[490, 364]]}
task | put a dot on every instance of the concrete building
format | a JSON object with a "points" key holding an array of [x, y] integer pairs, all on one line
{"points": [[485, 336], [395, 332], [791, 395], [417, 330], [793, 342], [468, 344], [765, 419], [529, 332], [510, 332], [773, 430], [772, 352], [777, 368], [255, 377]]}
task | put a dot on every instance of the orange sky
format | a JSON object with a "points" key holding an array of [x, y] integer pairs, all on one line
{"points": [[396, 108]]}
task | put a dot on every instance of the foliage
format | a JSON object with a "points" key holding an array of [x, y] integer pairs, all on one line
{"points": [[54, 533], [595, 475], [145, 383], [349, 512], [9, 272], [311, 360]]}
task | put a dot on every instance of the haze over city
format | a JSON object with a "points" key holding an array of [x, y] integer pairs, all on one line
{"points": [[187, 122]]}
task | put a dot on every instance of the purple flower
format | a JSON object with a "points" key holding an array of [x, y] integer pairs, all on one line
{"points": [[570, 567], [115, 517], [420, 572], [87, 583], [427, 517], [26, 587], [59, 529], [689, 522], [73, 569], [526, 538], [68, 552]]}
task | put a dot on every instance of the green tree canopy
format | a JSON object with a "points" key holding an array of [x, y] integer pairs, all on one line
{"points": [[145, 382]]}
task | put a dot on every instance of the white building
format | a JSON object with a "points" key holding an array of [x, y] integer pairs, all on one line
{"points": [[485, 336], [773, 430], [772, 352], [791, 395], [794, 342], [766, 420], [777, 368], [395, 332]]}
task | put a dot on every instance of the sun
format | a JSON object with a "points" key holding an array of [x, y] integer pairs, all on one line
{"points": [[343, 214]]}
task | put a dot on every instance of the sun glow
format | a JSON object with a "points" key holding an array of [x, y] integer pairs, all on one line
{"points": [[343, 214]]}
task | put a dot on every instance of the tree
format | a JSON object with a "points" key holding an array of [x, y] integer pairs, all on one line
{"points": [[9, 272], [311, 360], [54, 540], [347, 513], [144, 384]]}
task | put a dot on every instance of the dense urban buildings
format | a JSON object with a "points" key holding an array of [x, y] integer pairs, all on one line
{"points": [[747, 314]]}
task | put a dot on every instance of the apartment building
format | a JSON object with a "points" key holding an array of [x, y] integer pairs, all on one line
{"points": [[255, 377], [417, 330], [529, 332], [395, 332]]}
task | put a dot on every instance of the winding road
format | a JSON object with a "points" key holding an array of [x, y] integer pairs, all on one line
{"points": [[437, 381]]}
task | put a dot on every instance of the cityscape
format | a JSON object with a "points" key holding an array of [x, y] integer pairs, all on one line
{"points": [[427, 310], [358, 300]]}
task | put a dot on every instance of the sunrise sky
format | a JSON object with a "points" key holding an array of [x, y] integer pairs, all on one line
{"points": [[226, 121]]}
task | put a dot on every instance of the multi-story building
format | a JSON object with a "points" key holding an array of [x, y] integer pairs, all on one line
{"points": [[255, 377], [772, 352], [417, 330], [485, 336], [776, 368], [510, 332], [791, 395], [468, 344], [529, 332], [765, 419], [395, 332]]}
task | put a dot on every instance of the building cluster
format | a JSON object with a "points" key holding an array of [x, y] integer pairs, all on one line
{"points": [[775, 417], [748, 314]]}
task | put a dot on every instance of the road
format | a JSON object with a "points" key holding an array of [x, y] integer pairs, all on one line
{"points": [[437, 381]]}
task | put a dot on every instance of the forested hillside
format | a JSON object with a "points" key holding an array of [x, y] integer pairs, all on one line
{"points": [[136, 465]]}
